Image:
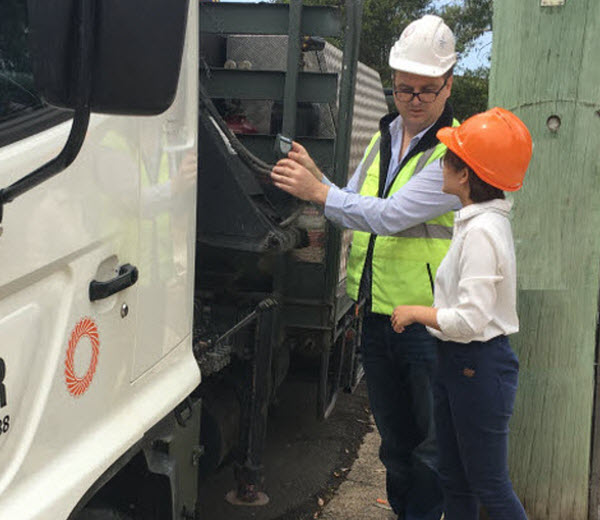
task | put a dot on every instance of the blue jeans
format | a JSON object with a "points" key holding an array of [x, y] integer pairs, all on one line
{"points": [[474, 393], [399, 369]]}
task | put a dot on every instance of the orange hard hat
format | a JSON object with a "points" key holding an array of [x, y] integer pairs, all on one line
{"points": [[495, 144]]}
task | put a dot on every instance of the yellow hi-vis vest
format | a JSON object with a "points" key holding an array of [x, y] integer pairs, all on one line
{"points": [[403, 265], [156, 254]]}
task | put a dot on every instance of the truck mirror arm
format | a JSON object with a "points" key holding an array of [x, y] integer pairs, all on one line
{"points": [[82, 90]]}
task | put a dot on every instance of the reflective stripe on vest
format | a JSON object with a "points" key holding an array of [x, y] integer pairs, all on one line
{"points": [[403, 264], [369, 160], [427, 231]]}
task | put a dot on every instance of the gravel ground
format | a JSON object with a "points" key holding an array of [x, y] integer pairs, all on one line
{"points": [[360, 496], [306, 460]]}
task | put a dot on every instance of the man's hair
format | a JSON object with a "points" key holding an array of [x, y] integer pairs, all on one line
{"points": [[449, 73], [479, 190]]}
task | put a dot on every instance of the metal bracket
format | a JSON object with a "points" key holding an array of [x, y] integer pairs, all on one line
{"points": [[283, 146], [181, 416]]}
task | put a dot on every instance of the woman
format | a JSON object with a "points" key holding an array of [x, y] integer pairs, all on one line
{"points": [[474, 311]]}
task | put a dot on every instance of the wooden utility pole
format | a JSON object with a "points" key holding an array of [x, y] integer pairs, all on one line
{"points": [[546, 68]]}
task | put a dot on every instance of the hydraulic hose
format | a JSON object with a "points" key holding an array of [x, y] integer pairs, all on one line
{"points": [[252, 161]]}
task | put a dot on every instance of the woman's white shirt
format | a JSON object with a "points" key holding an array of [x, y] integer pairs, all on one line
{"points": [[476, 283]]}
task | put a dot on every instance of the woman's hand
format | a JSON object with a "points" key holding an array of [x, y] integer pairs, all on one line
{"points": [[297, 180], [402, 317], [405, 315], [300, 155]]}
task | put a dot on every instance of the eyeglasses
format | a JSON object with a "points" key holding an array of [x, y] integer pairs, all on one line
{"points": [[406, 96]]}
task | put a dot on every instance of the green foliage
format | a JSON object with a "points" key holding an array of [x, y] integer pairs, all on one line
{"points": [[470, 93], [468, 19]]}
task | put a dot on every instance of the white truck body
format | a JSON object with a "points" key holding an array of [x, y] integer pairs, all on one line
{"points": [[83, 381]]}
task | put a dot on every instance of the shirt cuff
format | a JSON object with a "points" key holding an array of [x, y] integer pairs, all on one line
{"points": [[435, 333], [326, 181], [453, 326], [334, 203]]}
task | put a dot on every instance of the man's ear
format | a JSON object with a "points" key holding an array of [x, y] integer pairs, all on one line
{"points": [[449, 84]]}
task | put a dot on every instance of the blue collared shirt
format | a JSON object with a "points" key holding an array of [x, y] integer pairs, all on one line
{"points": [[419, 200]]}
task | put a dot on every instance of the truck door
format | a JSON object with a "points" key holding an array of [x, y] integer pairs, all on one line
{"points": [[167, 222], [63, 357]]}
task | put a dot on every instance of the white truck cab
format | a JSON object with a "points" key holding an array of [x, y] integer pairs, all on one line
{"points": [[142, 244], [96, 262]]}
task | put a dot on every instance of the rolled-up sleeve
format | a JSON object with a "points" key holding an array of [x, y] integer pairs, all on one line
{"points": [[419, 200], [479, 274]]}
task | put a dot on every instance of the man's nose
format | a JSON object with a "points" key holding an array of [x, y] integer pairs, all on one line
{"points": [[415, 100]]}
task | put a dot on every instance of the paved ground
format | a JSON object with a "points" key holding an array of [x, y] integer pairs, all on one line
{"points": [[357, 497]]}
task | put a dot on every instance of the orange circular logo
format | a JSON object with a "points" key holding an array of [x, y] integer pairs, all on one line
{"points": [[78, 385]]}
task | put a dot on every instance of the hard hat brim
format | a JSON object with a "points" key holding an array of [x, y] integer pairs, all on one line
{"points": [[448, 136], [413, 67]]}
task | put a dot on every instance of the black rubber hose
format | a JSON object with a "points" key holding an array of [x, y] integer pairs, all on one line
{"points": [[254, 163], [257, 165]]}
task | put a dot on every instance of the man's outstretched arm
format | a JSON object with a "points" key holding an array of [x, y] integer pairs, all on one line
{"points": [[419, 200]]}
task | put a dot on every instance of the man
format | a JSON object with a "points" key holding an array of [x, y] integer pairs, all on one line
{"points": [[403, 226]]}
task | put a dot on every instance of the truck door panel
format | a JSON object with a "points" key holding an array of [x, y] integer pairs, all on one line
{"points": [[57, 238], [167, 220]]}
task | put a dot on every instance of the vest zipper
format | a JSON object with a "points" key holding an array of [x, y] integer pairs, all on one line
{"points": [[430, 278]]}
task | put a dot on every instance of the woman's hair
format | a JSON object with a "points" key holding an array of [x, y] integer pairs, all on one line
{"points": [[480, 191]]}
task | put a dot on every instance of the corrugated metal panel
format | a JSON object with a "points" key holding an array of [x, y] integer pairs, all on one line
{"points": [[369, 108], [369, 103]]}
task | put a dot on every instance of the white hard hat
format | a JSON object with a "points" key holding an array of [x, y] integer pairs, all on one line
{"points": [[425, 47]]}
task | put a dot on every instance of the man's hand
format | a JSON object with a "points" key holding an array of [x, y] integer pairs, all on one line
{"points": [[186, 175], [297, 180], [300, 155]]}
